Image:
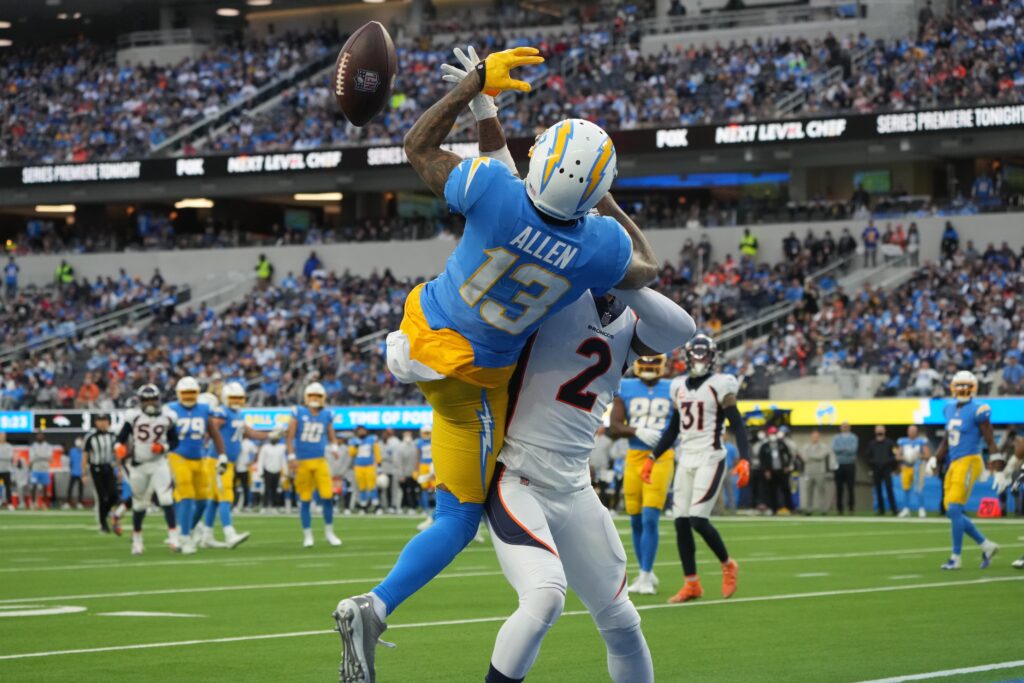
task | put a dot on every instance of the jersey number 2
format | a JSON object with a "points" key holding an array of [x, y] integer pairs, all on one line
{"points": [[574, 392]]}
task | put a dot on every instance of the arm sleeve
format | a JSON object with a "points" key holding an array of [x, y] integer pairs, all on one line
{"points": [[472, 180], [663, 325], [668, 437], [172, 436], [125, 433], [739, 431]]}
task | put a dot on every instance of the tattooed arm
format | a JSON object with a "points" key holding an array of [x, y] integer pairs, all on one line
{"points": [[423, 141]]}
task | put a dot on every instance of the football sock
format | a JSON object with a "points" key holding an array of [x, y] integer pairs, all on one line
{"points": [[955, 512], [649, 543], [169, 517], [186, 508], [431, 550], [328, 511], [198, 510], [636, 523], [519, 640], [137, 517], [711, 536], [629, 659], [210, 514], [686, 545], [495, 676], [972, 530], [305, 514], [224, 508]]}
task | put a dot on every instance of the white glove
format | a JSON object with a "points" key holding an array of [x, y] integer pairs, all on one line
{"points": [[222, 463], [648, 435], [482, 106], [985, 475], [932, 466], [291, 457], [1002, 481], [275, 433]]}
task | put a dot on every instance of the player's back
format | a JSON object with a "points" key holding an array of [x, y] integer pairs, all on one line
{"points": [[565, 379], [311, 432], [963, 427], [190, 423], [513, 268], [701, 418], [647, 405]]}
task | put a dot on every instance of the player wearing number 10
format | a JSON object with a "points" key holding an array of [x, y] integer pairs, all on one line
{"points": [[310, 431]]}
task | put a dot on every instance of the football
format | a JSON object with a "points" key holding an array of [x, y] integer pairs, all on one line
{"points": [[365, 73]]}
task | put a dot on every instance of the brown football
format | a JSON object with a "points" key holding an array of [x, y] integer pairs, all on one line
{"points": [[365, 73]]}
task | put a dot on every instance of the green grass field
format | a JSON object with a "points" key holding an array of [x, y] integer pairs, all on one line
{"points": [[837, 600]]}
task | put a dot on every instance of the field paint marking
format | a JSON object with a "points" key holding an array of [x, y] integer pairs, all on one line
{"points": [[313, 565], [951, 672], [903, 577], [812, 575], [571, 613], [38, 610], [149, 614], [46, 527], [458, 575]]}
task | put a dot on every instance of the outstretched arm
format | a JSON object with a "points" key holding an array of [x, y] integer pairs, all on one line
{"points": [[423, 141], [644, 266]]}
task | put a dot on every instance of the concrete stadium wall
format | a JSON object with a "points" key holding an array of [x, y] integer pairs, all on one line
{"points": [[427, 257], [161, 55]]}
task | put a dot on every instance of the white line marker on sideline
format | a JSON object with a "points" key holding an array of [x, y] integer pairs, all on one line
{"points": [[902, 577], [177, 615], [314, 565], [483, 620], [950, 672], [812, 575]]}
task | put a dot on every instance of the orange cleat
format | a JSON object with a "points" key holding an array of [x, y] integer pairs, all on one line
{"points": [[730, 570], [691, 590]]}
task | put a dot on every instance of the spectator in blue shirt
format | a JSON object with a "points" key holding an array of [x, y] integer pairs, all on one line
{"points": [[11, 278], [870, 238], [312, 264], [1013, 376]]}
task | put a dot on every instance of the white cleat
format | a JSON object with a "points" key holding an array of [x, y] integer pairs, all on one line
{"points": [[232, 541], [654, 580], [188, 545], [1018, 564], [988, 551], [905, 512], [137, 546], [952, 563], [332, 539], [425, 524], [922, 513], [647, 586], [307, 538], [208, 541]]}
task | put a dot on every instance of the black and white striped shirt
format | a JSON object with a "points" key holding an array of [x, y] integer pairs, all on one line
{"points": [[100, 447]]}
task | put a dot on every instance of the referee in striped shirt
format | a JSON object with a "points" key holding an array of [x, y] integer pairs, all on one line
{"points": [[99, 453]]}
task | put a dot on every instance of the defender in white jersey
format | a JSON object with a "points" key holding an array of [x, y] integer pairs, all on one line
{"points": [[548, 525], [151, 433], [701, 402]]}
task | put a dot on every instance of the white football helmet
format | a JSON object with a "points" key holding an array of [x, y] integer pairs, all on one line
{"points": [[572, 166], [233, 395], [187, 390], [963, 386], [208, 399], [315, 395]]}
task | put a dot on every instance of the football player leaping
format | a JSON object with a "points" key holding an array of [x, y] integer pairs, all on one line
{"points": [[151, 432], [310, 432], [530, 248], [701, 402], [548, 525]]}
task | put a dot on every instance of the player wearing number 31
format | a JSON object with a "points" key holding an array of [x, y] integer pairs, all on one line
{"points": [[310, 432], [530, 248], [967, 425]]}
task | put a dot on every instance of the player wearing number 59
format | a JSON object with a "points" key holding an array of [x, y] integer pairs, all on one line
{"points": [[310, 432], [967, 426], [530, 248]]}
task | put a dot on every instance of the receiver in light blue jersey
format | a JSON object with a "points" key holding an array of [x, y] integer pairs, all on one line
{"points": [[647, 405], [963, 427], [311, 433]]}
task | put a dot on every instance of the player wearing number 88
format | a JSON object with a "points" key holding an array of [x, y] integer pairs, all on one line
{"points": [[310, 432]]}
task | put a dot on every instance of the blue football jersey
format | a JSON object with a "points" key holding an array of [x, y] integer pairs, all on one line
{"points": [[426, 454], [911, 450], [191, 427], [512, 269], [646, 406], [232, 431], [963, 427], [365, 450], [311, 432]]}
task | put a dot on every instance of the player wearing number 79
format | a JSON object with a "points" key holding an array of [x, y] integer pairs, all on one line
{"points": [[530, 248]]}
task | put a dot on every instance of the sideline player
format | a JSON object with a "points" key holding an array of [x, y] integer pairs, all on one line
{"points": [[548, 525], [424, 474], [529, 249], [310, 433], [364, 449], [193, 424], [150, 430], [914, 453], [967, 425], [1013, 474], [702, 400], [640, 413]]}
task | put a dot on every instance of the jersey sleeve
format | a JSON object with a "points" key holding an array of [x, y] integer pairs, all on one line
{"points": [[673, 389], [617, 254], [472, 180], [726, 384], [983, 414]]}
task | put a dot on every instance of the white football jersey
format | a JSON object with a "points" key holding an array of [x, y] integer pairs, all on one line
{"points": [[701, 419], [146, 431], [566, 377]]}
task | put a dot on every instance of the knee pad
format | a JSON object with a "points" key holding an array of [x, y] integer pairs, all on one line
{"points": [[618, 617], [545, 602], [700, 524]]}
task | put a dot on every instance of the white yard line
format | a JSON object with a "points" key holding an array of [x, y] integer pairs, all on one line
{"points": [[572, 613], [951, 672]]}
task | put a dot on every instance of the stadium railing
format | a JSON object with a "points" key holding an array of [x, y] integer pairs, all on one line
{"points": [[752, 17], [177, 36], [794, 101]]}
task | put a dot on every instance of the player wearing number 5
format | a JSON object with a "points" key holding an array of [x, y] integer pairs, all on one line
{"points": [[967, 426], [310, 432], [530, 248], [193, 424], [640, 413]]}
